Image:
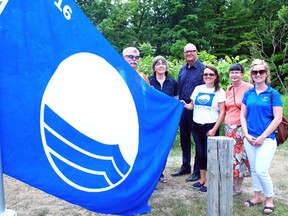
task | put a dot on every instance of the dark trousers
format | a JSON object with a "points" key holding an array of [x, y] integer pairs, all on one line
{"points": [[200, 139], [186, 129]]}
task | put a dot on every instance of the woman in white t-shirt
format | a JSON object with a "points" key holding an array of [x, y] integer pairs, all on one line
{"points": [[207, 102]]}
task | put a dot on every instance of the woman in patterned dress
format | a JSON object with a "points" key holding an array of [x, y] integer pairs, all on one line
{"points": [[232, 126]]}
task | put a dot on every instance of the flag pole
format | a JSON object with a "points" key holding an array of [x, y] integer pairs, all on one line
{"points": [[3, 211]]}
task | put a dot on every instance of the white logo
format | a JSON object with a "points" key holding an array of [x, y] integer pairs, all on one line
{"points": [[3, 5], [87, 111], [265, 98], [203, 99]]}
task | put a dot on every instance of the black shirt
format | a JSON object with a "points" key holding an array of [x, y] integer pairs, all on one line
{"points": [[169, 87], [188, 79]]}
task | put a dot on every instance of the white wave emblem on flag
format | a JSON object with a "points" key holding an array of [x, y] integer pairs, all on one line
{"points": [[3, 4], [89, 124]]}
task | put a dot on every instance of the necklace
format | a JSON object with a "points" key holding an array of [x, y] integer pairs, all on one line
{"points": [[235, 90]]}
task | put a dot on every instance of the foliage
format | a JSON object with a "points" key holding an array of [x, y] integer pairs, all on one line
{"points": [[285, 105], [176, 49], [174, 68], [245, 28], [207, 58], [174, 65], [145, 65], [146, 49], [272, 46]]}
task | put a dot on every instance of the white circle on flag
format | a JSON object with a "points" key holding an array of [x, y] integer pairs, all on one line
{"points": [[89, 124]]}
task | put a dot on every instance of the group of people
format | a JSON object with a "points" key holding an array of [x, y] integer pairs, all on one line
{"points": [[251, 113]]}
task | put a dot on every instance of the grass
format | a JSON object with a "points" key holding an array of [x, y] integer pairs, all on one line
{"points": [[175, 198], [178, 198], [43, 212]]}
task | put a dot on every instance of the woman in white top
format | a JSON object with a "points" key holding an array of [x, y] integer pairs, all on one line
{"points": [[207, 102]]}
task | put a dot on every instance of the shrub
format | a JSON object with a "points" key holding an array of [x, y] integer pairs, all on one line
{"points": [[174, 65]]}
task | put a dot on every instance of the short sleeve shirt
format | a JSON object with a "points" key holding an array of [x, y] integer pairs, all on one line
{"points": [[206, 109], [169, 86], [259, 110]]}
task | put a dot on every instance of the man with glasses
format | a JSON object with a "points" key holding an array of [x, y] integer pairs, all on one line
{"points": [[189, 77], [132, 55]]}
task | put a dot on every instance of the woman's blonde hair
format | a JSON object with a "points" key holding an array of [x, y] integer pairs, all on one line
{"points": [[266, 67]]}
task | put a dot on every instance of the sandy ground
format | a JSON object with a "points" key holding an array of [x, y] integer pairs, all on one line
{"points": [[28, 201]]}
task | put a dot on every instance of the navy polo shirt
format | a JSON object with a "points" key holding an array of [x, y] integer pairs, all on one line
{"points": [[169, 87]]}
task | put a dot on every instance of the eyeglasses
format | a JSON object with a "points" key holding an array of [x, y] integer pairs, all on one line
{"points": [[209, 74], [235, 72], [160, 63], [188, 51], [133, 57], [255, 72]]}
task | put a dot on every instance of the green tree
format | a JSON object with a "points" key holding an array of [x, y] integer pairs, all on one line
{"points": [[117, 27], [233, 24], [97, 11], [146, 49], [271, 44], [245, 28], [177, 49]]}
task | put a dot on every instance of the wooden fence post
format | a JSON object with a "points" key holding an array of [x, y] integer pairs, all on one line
{"points": [[220, 176]]}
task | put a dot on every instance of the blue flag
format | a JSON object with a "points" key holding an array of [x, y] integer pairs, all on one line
{"points": [[76, 120]]}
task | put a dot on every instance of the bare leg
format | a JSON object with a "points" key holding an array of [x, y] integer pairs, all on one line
{"points": [[238, 182], [204, 176], [269, 203]]}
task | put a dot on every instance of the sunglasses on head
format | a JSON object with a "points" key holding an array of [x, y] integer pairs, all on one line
{"points": [[255, 72], [209, 74], [133, 57]]}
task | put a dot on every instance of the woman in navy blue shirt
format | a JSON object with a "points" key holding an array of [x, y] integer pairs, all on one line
{"points": [[160, 79], [162, 82]]}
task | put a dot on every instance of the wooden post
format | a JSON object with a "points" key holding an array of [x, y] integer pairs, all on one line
{"points": [[220, 176]]}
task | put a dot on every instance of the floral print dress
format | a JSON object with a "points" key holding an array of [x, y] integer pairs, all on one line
{"points": [[232, 128], [241, 167]]}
